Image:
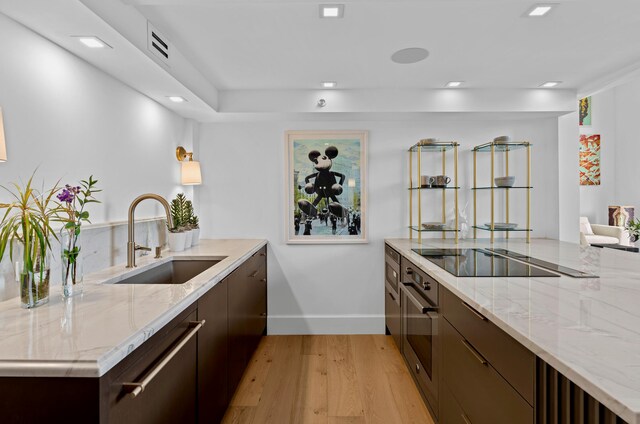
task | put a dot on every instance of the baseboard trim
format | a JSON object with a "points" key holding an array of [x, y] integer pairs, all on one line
{"points": [[325, 324]]}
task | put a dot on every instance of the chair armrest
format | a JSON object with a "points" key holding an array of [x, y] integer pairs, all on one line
{"points": [[583, 240], [610, 231]]}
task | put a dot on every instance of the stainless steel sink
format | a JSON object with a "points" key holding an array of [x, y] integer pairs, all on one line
{"points": [[173, 272]]}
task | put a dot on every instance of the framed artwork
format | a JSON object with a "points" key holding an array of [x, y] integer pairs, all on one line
{"points": [[326, 199], [585, 111], [590, 159]]}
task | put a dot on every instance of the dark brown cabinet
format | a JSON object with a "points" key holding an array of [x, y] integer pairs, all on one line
{"points": [[392, 296], [188, 369], [213, 394], [247, 302]]}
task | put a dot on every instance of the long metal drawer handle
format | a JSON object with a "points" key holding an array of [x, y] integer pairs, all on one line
{"points": [[391, 296], [474, 312], [465, 419], [414, 298], [474, 352], [253, 274], [134, 389]]}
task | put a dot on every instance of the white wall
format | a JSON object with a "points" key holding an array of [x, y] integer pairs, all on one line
{"points": [[627, 187], [339, 288], [615, 119], [568, 179], [595, 200], [70, 120]]}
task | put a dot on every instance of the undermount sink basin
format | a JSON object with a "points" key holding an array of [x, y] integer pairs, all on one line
{"points": [[172, 272]]}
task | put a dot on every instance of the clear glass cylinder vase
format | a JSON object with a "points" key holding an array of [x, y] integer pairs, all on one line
{"points": [[72, 262], [33, 275]]}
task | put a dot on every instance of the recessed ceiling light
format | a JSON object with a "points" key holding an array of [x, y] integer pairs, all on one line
{"points": [[539, 10], [92, 42], [550, 84], [410, 55], [331, 10], [329, 84], [177, 99], [453, 84]]}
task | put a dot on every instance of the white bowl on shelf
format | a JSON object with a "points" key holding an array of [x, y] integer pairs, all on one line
{"points": [[502, 139], [507, 181]]}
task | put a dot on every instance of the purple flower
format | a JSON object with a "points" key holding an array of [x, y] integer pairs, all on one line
{"points": [[66, 195]]}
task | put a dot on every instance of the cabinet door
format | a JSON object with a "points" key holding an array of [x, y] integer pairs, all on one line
{"points": [[170, 396], [247, 293], [213, 396]]}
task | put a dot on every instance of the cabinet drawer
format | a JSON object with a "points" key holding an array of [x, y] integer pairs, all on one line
{"points": [[481, 392], [393, 255], [392, 316], [450, 410], [512, 360]]}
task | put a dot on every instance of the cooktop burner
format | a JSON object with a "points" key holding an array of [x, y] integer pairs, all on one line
{"points": [[480, 263]]}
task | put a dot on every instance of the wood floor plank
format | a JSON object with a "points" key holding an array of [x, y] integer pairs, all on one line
{"points": [[343, 390], [314, 345], [391, 356], [253, 381], [347, 420], [239, 415], [281, 386], [310, 406], [407, 400], [379, 404], [337, 379]]}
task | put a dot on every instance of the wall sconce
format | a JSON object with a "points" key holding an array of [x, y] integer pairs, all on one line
{"points": [[3, 146], [190, 174]]}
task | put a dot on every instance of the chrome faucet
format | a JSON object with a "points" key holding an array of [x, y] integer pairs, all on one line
{"points": [[131, 243]]}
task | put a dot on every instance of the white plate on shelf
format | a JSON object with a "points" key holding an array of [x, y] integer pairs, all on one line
{"points": [[502, 225]]}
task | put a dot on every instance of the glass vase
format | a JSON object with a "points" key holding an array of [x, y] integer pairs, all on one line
{"points": [[34, 280], [72, 262]]}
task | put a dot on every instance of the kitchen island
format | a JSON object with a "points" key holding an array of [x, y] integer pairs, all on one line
{"points": [[587, 329], [101, 351]]}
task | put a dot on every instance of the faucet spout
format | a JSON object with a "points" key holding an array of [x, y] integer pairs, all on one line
{"points": [[131, 242]]}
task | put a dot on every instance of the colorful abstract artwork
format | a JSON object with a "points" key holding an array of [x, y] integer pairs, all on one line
{"points": [[585, 111], [590, 159]]}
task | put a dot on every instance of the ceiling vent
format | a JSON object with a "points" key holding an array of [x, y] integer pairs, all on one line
{"points": [[158, 44]]}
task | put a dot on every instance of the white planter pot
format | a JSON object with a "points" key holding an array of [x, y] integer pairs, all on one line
{"points": [[177, 241], [196, 237], [188, 239]]}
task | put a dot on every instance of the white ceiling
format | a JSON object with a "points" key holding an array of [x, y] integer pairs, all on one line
{"points": [[265, 44]]}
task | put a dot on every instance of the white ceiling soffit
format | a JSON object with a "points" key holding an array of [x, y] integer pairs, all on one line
{"points": [[270, 44], [60, 20]]}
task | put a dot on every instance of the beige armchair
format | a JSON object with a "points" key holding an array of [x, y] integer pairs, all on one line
{"points": [[601, 234]]}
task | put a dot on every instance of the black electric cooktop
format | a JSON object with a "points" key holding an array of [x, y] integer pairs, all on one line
{"points": [[480, 263]]}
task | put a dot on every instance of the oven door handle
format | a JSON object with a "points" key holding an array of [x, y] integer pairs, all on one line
{"points": [[416, 299]]}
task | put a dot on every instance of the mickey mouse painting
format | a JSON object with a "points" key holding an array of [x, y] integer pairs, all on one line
{"points": [[324, 185], [326, 196]]}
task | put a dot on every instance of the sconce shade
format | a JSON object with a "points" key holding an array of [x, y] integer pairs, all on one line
{"points": [[191, 173], [3, 147], [351, 182]]}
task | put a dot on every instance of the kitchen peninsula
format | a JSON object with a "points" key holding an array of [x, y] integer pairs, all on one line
{"points": [[581, 333], [96, 356]]}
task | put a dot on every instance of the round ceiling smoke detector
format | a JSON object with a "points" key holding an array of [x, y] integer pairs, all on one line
{"points": [[410, 55]]}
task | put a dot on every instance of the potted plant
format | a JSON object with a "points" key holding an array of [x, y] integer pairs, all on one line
{"points": [[73, 201], [26, 224], [633, 227], [177, 235], [194, 223]]}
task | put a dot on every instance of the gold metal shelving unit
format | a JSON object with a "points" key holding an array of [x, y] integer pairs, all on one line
{"points": [[415, 155], [493, 148]]}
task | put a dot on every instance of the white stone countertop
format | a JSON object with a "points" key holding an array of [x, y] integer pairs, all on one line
{"points": [[588, 329], [86, 335]]}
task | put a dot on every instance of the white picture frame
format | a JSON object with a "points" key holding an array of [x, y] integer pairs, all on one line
{"points": [[334, 217]]}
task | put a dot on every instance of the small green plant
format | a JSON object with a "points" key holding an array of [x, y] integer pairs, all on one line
{"points": [[633, 227], [179, 213], [27, 221]]}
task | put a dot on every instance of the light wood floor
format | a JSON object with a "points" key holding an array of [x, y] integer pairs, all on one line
{"points": [[329, 380]]}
